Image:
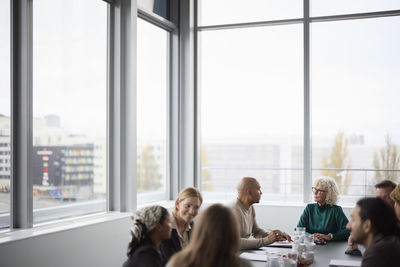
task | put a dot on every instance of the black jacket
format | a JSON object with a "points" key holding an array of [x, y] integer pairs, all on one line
{"points": [[171, 246], [146, 255], [383, 251]]}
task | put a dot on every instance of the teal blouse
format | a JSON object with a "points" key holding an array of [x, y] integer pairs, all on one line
{"points": [[324, 220]]}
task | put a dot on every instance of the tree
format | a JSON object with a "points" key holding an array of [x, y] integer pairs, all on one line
{"points": [[388, 158], [148, 176], [206, 184], [338, 159]]}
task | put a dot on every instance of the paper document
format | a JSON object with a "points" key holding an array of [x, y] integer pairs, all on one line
{"points": [[344, 263], [253, 256], [281, 244]]}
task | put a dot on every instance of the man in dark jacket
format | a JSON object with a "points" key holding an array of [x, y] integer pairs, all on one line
{"points": [[374, 224]]}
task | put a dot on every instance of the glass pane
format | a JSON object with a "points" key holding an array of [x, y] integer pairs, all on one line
{"points": [[355, 92], [213, 12], [152, 114], [251, 86], [340, 7], [69, 108], [159, 7], [5, 114]]}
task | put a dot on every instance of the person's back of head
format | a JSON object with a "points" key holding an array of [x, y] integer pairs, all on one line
{"points": [[385, 184], [143, 223], [382, 216], [214, 242], [383, 190], [395, 194]]}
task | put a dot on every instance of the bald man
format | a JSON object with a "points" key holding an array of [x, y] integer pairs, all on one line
{"points": [[249, 192]]}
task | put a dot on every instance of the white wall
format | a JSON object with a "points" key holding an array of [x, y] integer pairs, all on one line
{"points": [[101, 244], [105, 244]]}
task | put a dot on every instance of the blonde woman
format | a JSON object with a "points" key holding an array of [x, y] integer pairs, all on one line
{"points": [[395, 196], [324, 218], [187, 205], [215, 241]]}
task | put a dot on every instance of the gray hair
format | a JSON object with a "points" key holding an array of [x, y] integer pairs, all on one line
{"points": [[144, 220], [331, 186]]}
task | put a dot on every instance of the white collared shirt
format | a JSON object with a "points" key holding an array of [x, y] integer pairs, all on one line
{"points": [[183, 239]]}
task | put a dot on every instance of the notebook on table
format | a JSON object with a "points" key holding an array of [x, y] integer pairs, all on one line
{"points": [[344, 263]]}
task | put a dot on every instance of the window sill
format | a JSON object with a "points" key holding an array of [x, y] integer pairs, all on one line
{"points": [[168, 204], [60, 225]]}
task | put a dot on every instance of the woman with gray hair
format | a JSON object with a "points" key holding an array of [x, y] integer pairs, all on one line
{"points": [[151, 226], [324, 218]]}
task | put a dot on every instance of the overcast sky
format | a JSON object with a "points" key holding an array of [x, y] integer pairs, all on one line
{"points": [[251, 80]]}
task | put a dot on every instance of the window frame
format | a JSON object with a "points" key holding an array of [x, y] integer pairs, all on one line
{"points": [[21, 206], [121, 108], [306, 20], [169, 28], [183, 100]]}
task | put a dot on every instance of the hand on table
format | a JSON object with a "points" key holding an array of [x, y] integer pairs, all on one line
{"points": [[321, 237], [286, 236], [352, 244], [277, 235]]}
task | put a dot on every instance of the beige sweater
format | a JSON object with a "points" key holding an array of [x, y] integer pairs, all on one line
{"points": [[249, 227]]}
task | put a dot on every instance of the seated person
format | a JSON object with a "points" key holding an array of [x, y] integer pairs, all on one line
{"points": [[249, 192], [215, 241], [187, 205], [151, 225], [324, 218], [374, 225], [383, 190], [395, 196]]}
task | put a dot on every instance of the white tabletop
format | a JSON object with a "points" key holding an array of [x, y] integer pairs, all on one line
{"points": [[324, 254]]}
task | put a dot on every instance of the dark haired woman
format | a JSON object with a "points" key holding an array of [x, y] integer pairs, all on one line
{"points": [[215, 241], [151, 226]]}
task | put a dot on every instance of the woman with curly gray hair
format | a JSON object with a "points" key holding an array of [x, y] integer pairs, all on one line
{"points": [[151, 226], [324, 218]]}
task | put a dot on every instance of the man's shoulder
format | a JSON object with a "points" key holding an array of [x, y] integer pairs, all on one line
{"points": [[238, 208], [232, 202], [383, 252], [384, 244], [391, 240], [235, 204]]}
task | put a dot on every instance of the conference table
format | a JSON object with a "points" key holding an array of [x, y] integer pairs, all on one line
{"points": [[324, 254]]}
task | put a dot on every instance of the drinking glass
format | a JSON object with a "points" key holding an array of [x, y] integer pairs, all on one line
{"points": [[272, 260]]}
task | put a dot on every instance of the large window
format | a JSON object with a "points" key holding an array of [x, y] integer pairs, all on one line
{"points": [[69, 107], [152, 112], [260, 116], [252, 110], [355, 85], [4, 113]]}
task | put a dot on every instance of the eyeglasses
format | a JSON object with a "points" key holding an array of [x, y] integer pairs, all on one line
{"points": [[318, 191]]}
